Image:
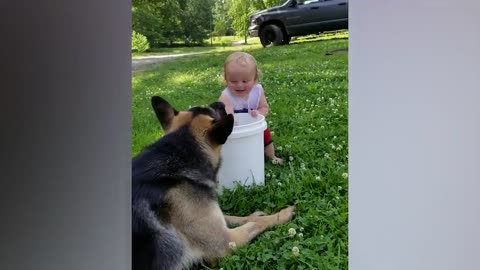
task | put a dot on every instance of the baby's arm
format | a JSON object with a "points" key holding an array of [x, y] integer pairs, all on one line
{"points": [[228, 104], [263, 107]]}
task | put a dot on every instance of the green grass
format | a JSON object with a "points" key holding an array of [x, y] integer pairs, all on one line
{"points": [[219, 44], [177, 50], [341, 34], [224, 44], [228, 40], [307, 93]]}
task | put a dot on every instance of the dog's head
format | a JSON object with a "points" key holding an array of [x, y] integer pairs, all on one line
{"points": [[209, 125]]}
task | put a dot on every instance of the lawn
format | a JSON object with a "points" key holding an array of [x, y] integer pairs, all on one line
{"points": [[307, 92], [223, 44], [217, 44]]}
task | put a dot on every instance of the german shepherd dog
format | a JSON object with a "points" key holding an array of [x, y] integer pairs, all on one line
{"points": [[177, 222]]}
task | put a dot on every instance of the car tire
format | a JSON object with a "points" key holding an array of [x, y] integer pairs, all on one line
{"points": [[271, 35], [287, 39]]}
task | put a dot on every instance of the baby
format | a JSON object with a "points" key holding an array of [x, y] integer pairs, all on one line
{"points": [[245, 95]]}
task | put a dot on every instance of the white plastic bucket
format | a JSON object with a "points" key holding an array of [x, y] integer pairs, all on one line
{"points": [[243, 153]]}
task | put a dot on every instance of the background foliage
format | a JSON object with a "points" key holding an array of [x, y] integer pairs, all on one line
{"points": [[139, 42], [190, 22]]}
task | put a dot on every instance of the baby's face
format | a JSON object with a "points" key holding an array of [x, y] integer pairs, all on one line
{"points": [[240, 77]]}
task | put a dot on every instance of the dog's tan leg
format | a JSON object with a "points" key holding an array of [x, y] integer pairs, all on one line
{"points": [[208, 237], [234, 220], [258, 224], [254, 225]]}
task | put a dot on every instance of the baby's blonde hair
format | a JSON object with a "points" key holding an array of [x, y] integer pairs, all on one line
{"points": [[241, 58]]}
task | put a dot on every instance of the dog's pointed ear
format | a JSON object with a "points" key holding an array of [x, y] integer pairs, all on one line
{"points": [[219, 107], [164, 111], [220, 131]]}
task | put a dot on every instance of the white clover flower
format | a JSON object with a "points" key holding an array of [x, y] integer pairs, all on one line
{"points": [[232, 245], [300, 235], [291, 158], [326, 155], [338, 198], [302, 166], [345, 175], [334, 137], [339, 188], [295, 251], [291, 232], [301, 229], [317, 178], [279, 184], [279, 148], [268, 175], [288, 145]]}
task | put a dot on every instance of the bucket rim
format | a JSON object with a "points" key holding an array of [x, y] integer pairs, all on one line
{"points": [[258, 119], [259, 125]]}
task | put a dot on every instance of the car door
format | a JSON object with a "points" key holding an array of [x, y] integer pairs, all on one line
{"points": [[325, 15], [297, 18]]}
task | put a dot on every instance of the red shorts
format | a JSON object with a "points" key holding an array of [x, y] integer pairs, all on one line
{"points": [[267, 137]]}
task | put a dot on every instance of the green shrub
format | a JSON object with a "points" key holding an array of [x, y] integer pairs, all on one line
{"points": [[139, 42]]}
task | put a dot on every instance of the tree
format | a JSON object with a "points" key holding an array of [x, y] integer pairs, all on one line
{"points": [[159, 21], [221, 21], [258, 4], [272, 3], [240, 10], [196, 20], [165, 21]]}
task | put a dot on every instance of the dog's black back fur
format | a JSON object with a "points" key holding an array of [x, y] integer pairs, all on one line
{"points": [[174, 159]]}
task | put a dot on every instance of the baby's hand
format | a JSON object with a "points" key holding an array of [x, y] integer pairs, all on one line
{"points": [[253, 113]]}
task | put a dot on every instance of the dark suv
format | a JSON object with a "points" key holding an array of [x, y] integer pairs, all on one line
{"points": [[277, 25]]}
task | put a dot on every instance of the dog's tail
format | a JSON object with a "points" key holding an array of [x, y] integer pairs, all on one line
{"points": [[154, 245]]}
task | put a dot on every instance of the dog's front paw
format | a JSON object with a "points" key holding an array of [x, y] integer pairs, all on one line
{"points": [[286, 214]]}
